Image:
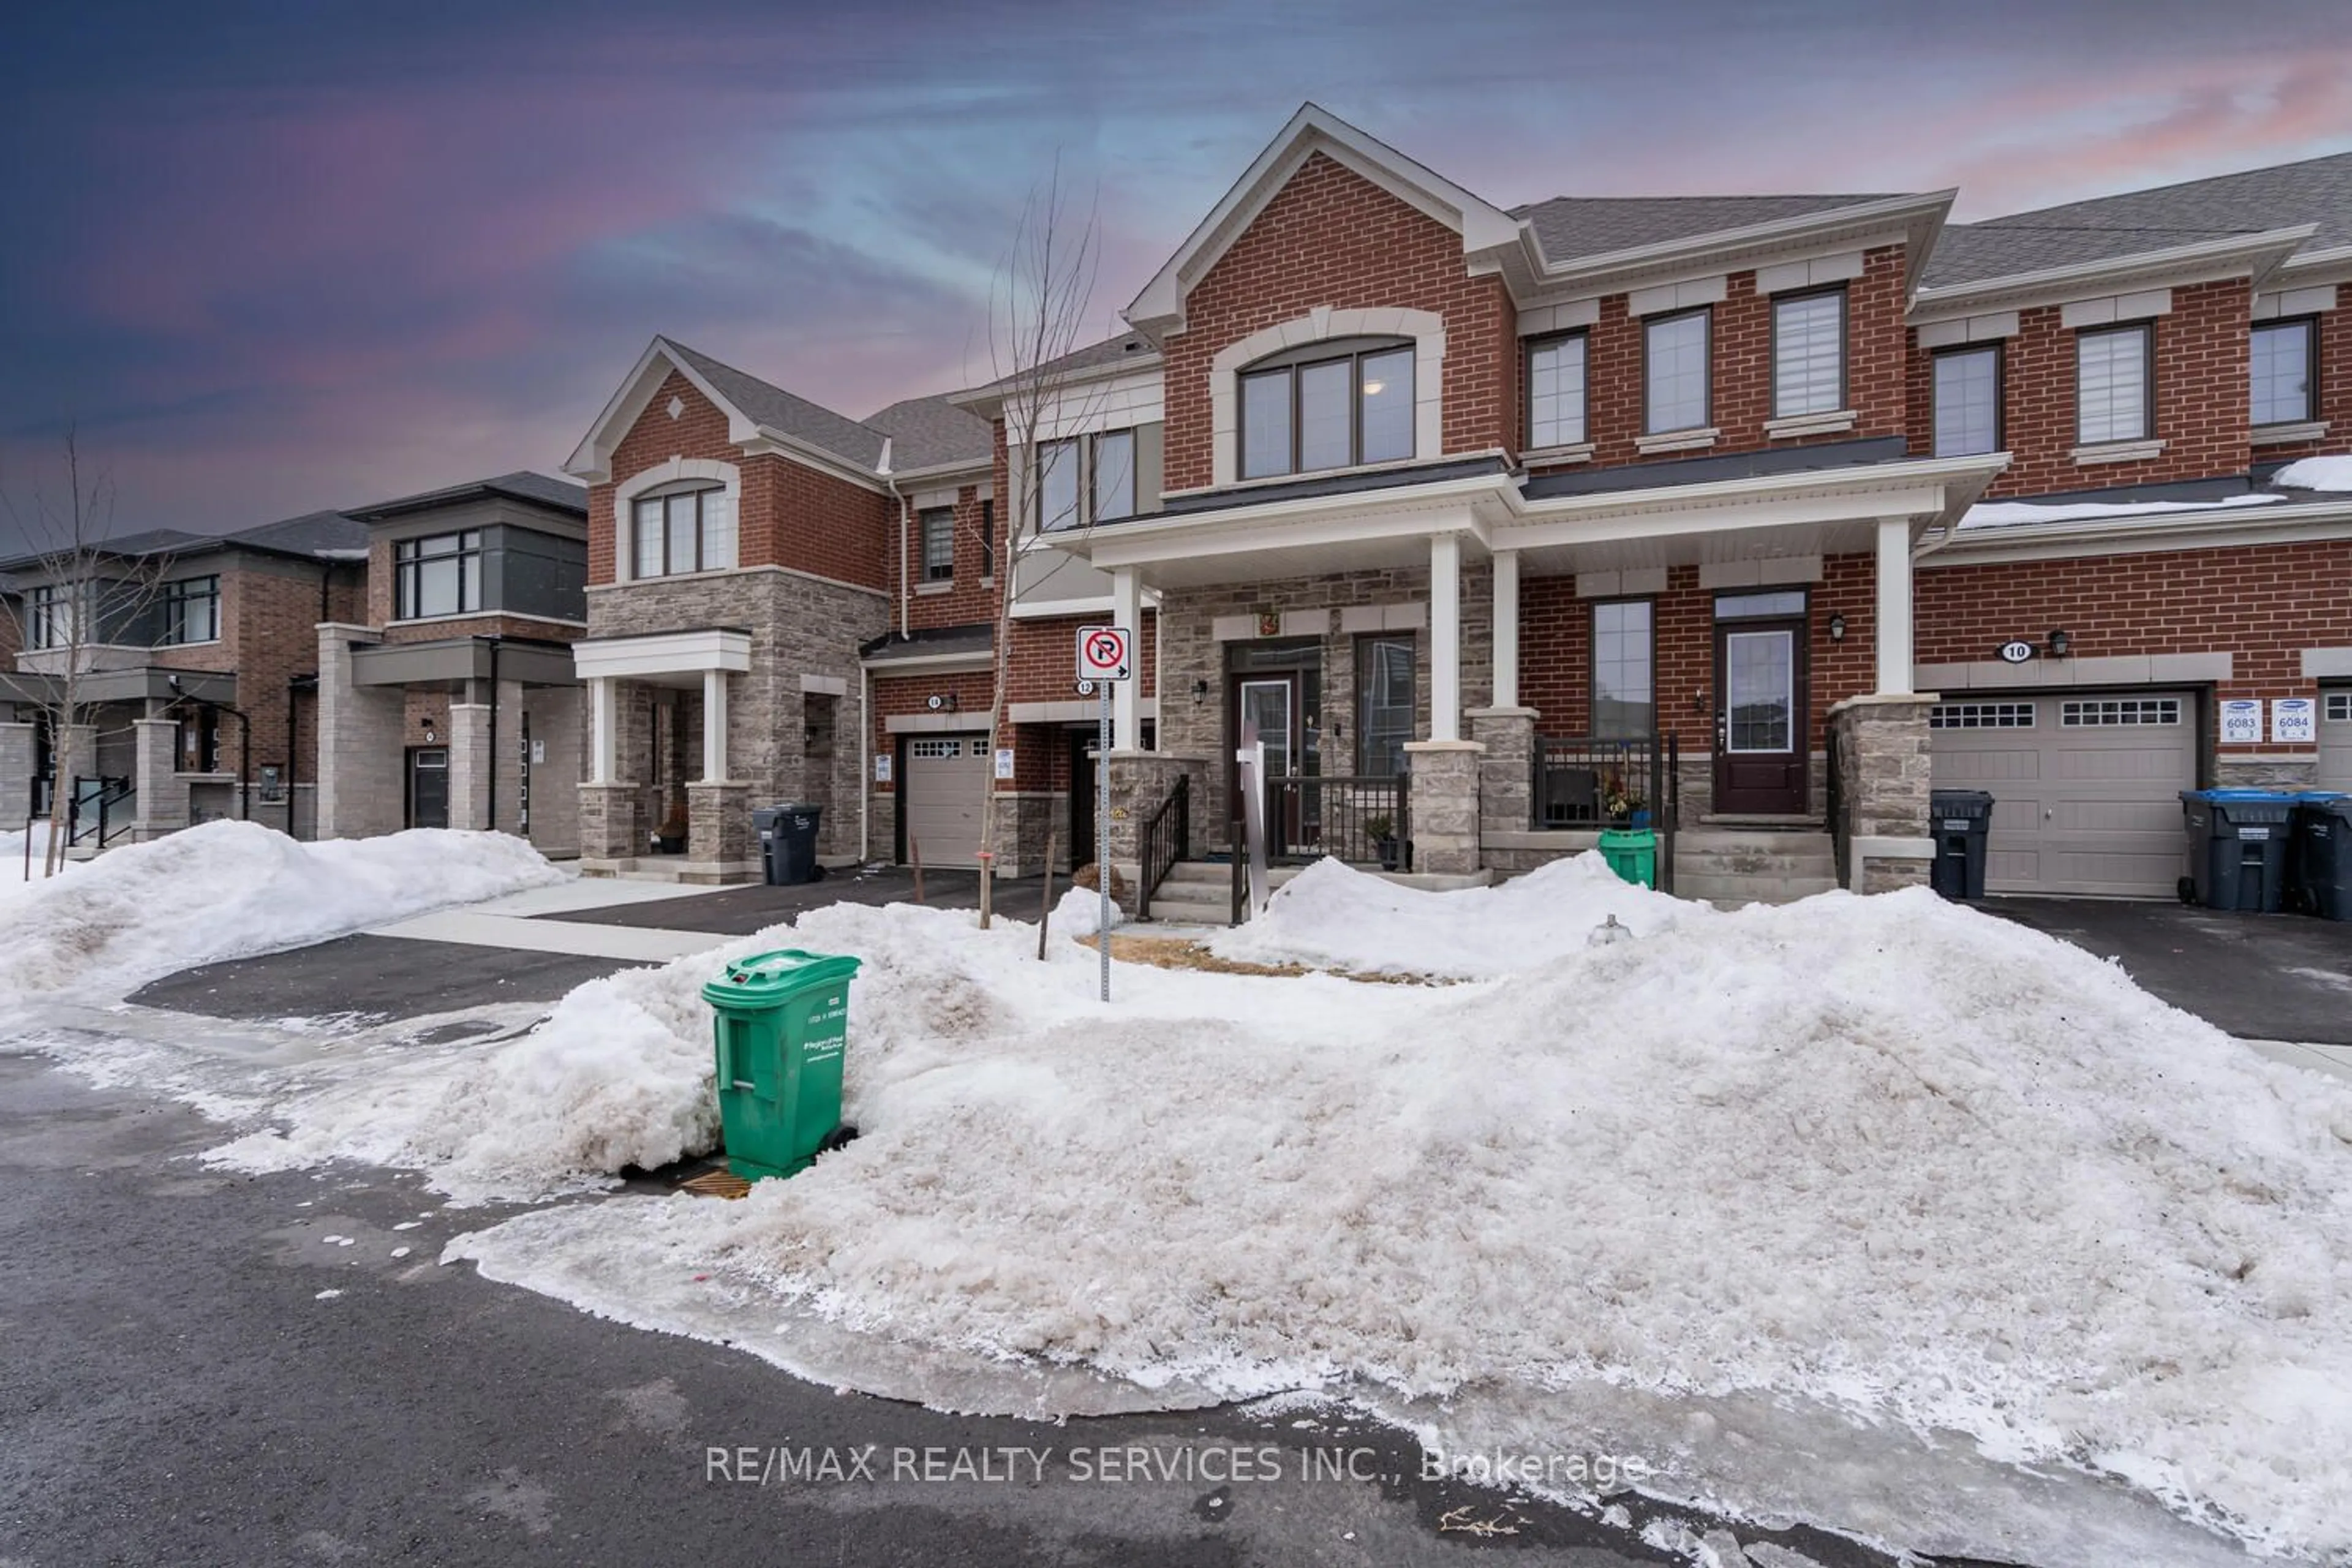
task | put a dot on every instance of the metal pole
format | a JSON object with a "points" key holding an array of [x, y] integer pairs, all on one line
{"points": [[1102, 832]]}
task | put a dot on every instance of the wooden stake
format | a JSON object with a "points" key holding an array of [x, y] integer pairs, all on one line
{"points": [[1045, 902], [915, 853]]}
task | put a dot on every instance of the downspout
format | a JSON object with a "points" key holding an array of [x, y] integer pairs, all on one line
{"points": [[899, 522], [865, 676], [495, 640], [865, 764], [293, 747]]}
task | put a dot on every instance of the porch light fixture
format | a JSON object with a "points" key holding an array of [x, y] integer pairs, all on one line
{"points": [[429, 727], [2059, 643], [1200, 692], [1837, 628]]}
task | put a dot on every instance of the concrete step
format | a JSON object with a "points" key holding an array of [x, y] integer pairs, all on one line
{"points": [[1754, 863], [1166, 910], [1208, 874], [1737, 891], [1784, 839]]}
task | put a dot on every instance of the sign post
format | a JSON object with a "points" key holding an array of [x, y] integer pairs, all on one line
{"points": [[1104, 655]]}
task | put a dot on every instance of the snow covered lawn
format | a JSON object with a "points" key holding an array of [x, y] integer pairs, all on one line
{"points": [[226, 890], [1860, 1169]]}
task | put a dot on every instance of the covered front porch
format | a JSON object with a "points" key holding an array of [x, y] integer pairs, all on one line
{"points": [[1493, 668], [661, 795]]}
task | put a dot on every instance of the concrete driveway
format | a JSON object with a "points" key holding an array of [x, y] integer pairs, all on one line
{"points": [[2260, 977]]}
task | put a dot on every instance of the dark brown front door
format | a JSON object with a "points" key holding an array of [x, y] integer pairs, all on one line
{"points": [[1759, 736]]}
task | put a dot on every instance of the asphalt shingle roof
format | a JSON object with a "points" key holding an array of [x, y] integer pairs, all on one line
{"points": [[2286, 196], [926, 431], [306, 535], [1574, 226], [779, 410], [563, 495], [1110, 351]]}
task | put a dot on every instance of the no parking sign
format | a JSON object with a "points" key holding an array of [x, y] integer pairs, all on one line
{"points": [[1104, 654]]}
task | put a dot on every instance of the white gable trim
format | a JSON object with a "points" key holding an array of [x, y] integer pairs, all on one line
{"points": [[1425, 328], [1482, 225], [592, 460]]}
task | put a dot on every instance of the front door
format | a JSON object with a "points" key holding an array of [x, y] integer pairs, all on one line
{"points": [[428, 787], [1270, 702], [1759, 754], [1083, 786]]}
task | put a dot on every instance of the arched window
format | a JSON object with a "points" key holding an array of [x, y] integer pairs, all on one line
{"points": [[1332, 405], [682, 528]]}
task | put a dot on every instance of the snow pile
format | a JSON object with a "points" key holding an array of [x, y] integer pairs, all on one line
{"points": [[2008, 513], [1078, 912], [17, 865], [1886, 1156], [1331, 916], [228, 889], [2317, 474]]}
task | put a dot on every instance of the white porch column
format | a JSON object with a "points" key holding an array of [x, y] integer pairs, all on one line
{"points": [[1894, 607], [714, 726], [1445, 636], [1507, 629], [1126, 695], [603, 720]]}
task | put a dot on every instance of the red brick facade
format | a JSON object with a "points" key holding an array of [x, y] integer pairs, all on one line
{"points": [[968, 597], [1332, 238], [269, 614]]}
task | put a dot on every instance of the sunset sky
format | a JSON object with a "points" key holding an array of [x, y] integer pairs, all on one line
{"points": [[277, 257]]}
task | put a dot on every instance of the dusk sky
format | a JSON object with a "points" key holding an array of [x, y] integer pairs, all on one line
{"points": [[277, 257]]}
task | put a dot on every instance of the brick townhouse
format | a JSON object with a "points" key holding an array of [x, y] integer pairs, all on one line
{"points": [[1754, 513], [451, 700], [195, 696]]}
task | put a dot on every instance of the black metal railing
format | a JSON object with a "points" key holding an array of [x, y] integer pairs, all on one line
{"points": [[1239, 839], [91, 807], [1359, 818], [1593, 781], [1167, 837]]}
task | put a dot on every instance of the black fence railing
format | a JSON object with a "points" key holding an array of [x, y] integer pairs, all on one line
{"points": [[94, 810], [1166, 838], [1359, 819], [1593, 781]]}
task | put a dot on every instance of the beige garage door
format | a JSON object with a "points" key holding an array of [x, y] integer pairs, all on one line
{"points": [[945, 777], [2086, 789], [2335, 740]]}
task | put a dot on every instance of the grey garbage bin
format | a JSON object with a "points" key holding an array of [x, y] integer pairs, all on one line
{"points": [[1962, 818], [791, 848], [2322, 883], [2237, 848], [766, 820]]}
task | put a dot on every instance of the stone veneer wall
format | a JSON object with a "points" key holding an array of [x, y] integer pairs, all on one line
{"points": [[1884, 781], [800, 625], [1190, 651]]}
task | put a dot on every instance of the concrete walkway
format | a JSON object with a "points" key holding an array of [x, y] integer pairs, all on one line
{"points": [[529, 922]]}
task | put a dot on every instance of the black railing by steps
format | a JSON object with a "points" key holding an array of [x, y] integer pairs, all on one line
{"points": [[1166, 838], [1359, 818], [1593, 781]]}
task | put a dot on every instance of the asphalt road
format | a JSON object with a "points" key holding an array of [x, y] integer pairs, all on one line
{"points": [[739, 911], [179, 1388]]}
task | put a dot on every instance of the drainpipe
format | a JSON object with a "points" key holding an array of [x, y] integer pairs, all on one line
{"points": [[899, 522], [293, 748], [495, 641], [865, 766]]}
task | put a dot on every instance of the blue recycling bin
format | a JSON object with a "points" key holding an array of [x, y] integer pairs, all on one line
{"points": [[2238, 841]]}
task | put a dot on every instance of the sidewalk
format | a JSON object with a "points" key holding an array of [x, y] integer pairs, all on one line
{"points": [[529, 922]]}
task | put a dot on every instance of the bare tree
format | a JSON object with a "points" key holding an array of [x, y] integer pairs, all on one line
{"points": [[1044, 293], [64, 603]]}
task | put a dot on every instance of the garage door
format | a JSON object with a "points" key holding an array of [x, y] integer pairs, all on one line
{"points": [[945, 775], [2335, 740], [2086, 789]]}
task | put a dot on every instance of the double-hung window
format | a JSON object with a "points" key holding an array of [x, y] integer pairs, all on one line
{"points": [[1384, 705], [1058, 474], [2284, 354], [2113, 396], [688, 530], [1327, 411], [1674, 372], [439, 576], [1623, 703], [939, 543], [1809, 353], [1556, 391], [191, 611], [1965, 386]]}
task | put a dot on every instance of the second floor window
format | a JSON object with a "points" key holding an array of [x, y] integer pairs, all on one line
{"points": [[440, 576], [1674, 372], [2281, 372], [1809, 353], [691, 531], [1085, 480], [59, 614], [191, 611], [939, 543], [1330, 413], [1556, 392], [2112, 397], [1114, 453], [1059, 463], [1967, 392]]}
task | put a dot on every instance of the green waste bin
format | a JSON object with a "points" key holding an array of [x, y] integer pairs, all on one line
{"points": [[783, 1021], [1633, 854]]}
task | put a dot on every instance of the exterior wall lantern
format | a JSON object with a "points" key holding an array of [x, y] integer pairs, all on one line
{"points": [[1837, 628], [2059, 643], [1200, 692]]}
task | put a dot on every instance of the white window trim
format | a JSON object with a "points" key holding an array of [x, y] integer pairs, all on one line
{"points": [[677, 470], [1425, 328]]}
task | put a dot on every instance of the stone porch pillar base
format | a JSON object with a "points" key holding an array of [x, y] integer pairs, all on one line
{"points": [[1506, 772], [611, 837], [1442, 811], [1140, 781], [720, 846], [163, 794], [1882, 786]]}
